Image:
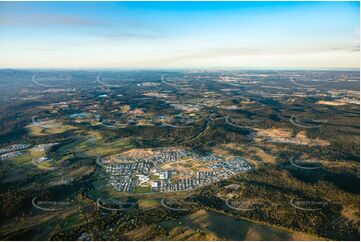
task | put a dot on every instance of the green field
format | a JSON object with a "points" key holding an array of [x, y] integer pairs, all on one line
{"points": [[84, 149], [142, 189]]}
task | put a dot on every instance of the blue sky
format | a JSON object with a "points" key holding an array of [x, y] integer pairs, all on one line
{"points": [[179, 34]]}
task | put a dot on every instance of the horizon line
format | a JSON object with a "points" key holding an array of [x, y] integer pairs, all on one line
{"points": [[179, 68]]}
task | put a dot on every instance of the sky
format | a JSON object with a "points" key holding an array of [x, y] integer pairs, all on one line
{"points": [[148, 35]]}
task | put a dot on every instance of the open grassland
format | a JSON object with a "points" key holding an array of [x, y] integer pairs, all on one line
{"points": [[209, 225], [49, 129], [228, 228], [145, 203], [78, 172], [139, 189], [28, 160], [84, 148]]}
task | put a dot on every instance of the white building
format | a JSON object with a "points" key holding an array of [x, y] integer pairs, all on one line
{"points": [[142, 179]]}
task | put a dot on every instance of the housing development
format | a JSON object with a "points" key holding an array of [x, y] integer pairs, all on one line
{"points": [[147, 172]]}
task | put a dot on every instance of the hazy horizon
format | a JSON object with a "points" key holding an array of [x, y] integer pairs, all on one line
{"points": [[180, 35]]}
